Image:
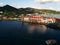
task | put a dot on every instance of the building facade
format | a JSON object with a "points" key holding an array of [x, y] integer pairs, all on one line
{"points": [[39, 19]]}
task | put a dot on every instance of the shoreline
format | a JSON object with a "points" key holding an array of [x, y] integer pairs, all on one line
{"points": [[53, 26]]}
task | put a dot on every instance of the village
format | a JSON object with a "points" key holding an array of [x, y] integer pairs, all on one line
{"points": [[38, 19], [28, 17], [32, 18], [29, 22], [43, 19]]}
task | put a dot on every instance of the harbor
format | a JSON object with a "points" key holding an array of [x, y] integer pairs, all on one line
{"points": [[29, 22], [12, 31], [52, 22]]}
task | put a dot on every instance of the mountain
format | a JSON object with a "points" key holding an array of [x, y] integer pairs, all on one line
{"points": [[8, 8], [26, 10], [47, 11], [41, 11], [11, 11], [1, 8]]}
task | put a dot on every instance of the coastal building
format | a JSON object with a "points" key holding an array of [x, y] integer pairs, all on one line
{"points": [[26, 19], [4, 18], [39, 19]]}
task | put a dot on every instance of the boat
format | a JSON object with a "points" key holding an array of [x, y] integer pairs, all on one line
{"points": [[50, 42]]}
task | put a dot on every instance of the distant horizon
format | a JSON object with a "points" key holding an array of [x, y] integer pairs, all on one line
{"points": [[37, 4]]}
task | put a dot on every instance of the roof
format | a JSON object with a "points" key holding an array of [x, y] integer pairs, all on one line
{"points": [[36, 16]]}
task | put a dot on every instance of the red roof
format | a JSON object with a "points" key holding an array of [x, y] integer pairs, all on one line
{"points": [[36, 16]]}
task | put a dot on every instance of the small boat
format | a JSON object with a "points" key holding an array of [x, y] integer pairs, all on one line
{"points": [[50, 42]]}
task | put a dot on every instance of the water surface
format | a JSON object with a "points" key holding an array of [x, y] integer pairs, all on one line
{"points": [[17, 33]]}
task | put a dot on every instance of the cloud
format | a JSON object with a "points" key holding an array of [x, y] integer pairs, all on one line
{"points": [[47, 0], [15, 5], [1, 4], [42, 7]]}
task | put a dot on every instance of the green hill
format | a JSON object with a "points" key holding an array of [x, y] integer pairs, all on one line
{"points": [[11, 11]]}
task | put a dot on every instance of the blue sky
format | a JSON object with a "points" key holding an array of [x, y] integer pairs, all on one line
{"points": [[39, 4]]}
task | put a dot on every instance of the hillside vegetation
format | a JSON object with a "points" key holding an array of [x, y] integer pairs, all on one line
{"points": [[11, 11]]}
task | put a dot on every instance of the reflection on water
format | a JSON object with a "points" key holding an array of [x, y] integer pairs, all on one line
{"points": [[37, 28], [17, 33]]}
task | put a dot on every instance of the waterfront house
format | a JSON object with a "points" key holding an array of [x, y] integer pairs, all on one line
{"points": [[39, 19]]}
